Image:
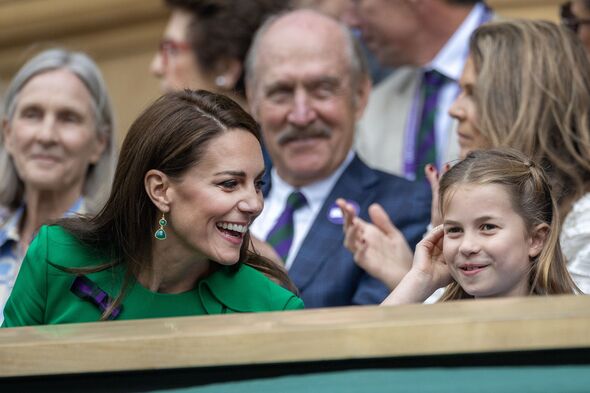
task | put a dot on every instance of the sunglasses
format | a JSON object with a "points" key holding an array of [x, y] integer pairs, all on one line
{"points": [[569, 20]]}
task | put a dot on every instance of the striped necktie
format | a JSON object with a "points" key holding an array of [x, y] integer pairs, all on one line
{"points": [[281, 235], [432, 83]]}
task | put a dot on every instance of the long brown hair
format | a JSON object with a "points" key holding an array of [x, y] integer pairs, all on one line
{"points": [[171, 135], [531, 198], [533, 93]]}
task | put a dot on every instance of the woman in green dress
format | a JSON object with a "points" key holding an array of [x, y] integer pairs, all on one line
{"points": [[173, 238]]}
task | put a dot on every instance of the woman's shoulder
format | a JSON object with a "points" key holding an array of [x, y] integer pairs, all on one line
{"points": [[245, 289], [64, 249]]}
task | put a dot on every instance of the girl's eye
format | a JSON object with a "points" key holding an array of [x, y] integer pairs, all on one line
{"points": [[488, 227], [453, 230]]}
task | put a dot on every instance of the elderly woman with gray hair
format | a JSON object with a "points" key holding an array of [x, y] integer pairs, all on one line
{"points": [[57, 154]]}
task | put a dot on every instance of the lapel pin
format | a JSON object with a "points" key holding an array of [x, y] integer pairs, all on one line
{"points": [[335, 215]]}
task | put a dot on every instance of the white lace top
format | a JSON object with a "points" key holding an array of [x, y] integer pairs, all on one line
{"points": [[575, 242]]}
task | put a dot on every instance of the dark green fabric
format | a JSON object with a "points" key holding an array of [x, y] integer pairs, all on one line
{"points": [[562, 379], [42, 295]]}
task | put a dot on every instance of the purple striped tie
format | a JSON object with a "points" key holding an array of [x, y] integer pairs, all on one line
{"points": [[432, 83], [281, 235]]}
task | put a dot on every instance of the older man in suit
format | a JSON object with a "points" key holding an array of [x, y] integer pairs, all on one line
{"points": [[307, 85], [406, 124]]}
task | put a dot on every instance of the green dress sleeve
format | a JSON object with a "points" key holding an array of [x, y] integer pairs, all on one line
{"points": [[294, 303], [27, 302]]}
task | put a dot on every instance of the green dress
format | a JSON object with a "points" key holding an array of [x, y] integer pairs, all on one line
{"points": [[43, 293]]}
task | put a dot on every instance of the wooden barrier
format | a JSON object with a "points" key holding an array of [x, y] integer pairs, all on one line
{"points": [[465, 327]]}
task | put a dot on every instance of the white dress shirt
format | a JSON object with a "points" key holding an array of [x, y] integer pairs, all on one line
{"points": [[303, 218]]}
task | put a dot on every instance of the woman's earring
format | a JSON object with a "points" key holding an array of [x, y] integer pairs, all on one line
{"points": [[220, 81], [161, 233]]}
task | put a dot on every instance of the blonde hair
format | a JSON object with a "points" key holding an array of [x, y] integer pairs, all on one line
{"points": [[531, 198], [533, 93]]}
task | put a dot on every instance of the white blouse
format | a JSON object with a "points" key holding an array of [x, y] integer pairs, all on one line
{"points": [[575, 242]]}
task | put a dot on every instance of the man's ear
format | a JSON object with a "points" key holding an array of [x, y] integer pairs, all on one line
{"points": [[361, 96], [157, 185], [539, 236]]}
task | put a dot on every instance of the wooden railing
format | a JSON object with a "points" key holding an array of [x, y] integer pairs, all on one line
{"points": [[371, 332]]}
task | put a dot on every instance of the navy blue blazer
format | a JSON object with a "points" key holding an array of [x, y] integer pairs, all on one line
{"points": [[324, 270]]}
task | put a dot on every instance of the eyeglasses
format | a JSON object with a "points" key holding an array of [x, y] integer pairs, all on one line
{"points": [[170, 48], [569, 20]]}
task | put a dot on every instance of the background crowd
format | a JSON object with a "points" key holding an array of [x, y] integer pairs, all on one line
{"points": [[309, 153]]}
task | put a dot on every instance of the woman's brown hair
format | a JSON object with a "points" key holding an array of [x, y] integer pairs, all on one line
{"points": [[171, 135]]}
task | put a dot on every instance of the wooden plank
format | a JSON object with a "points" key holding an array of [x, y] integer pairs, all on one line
{"points": [[515, 324]]}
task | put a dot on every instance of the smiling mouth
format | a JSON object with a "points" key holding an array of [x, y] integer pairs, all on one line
{"points": [[471, 270], [42, 157], [232, 229], [302, 139]]}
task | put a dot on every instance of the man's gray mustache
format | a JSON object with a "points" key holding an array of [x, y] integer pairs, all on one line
{"points": [[292, 134]]}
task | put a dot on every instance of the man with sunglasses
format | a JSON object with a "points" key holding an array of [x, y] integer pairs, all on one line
{"points": [[576, 16]]}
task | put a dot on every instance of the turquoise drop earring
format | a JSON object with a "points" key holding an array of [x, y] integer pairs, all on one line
{"points": [[161, 233]]}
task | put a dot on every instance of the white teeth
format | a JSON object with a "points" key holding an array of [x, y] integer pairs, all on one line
{"points": [[233, 227], [472, 267]]}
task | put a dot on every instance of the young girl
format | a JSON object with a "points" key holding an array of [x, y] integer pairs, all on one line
{"points": [[499, 237]]}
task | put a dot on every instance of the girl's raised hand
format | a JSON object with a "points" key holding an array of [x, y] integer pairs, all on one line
{"points": [[428, 273]]}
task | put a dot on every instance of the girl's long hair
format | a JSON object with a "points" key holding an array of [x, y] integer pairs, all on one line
{"points": [[530, 197]]}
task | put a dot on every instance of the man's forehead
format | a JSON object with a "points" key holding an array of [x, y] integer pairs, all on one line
{"points": [[304, 28], [302, 53]]}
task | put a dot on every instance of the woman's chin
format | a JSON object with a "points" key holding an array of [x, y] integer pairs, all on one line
{"points": [[226, 260]]}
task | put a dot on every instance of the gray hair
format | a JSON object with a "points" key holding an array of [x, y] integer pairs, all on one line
{"points": [[99, 176], [357, 61]]}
